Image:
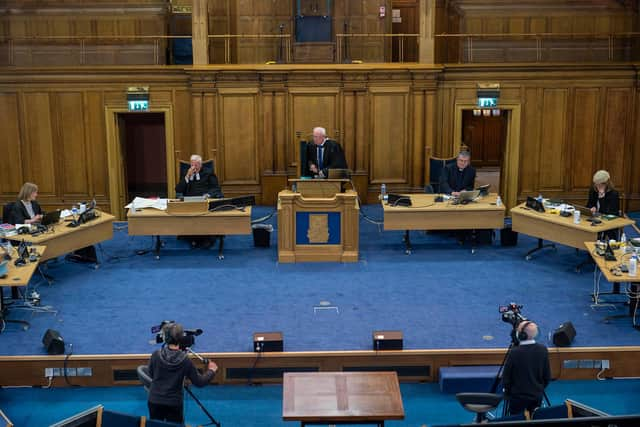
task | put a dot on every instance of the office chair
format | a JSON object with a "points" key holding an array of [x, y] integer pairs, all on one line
{"points": [[436, 165], [144, 376], [479, 403], [6, 212]]}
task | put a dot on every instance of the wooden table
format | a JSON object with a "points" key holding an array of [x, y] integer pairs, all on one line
{"points": [[62, 239], [607, 269], [17, 277], [427, 214], [155, 222], [558, 229], [341, 398]]}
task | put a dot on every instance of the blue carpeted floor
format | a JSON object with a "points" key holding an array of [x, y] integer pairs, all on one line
{"points": [[261, 406], [441, 296]]}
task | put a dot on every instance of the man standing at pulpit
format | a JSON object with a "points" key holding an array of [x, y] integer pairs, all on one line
{"points": [[324, 154]]}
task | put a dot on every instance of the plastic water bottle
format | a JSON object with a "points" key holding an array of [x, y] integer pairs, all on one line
{"points": [[623, 243], [540, 198], [498, 201], [383, 192], [633, 265]]}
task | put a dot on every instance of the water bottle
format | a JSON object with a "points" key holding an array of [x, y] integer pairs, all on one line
{"points": [[539, 198], [633, 265], [383, 192], [623, 243], [498, 201]]}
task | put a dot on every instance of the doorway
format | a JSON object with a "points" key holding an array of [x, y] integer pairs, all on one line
{"points": [[405, 20], [144, 159], [484, 133]]}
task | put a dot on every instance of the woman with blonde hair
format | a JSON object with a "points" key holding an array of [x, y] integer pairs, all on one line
{"points": [[26, 210], [603, 198]]}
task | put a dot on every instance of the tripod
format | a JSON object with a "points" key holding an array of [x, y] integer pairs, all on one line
{"points": [[498, 378], [193, 396]]}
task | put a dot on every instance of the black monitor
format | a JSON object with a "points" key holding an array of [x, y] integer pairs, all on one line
{"points": [[618, 421], [232, 203], [534, 204], [398, 200]]}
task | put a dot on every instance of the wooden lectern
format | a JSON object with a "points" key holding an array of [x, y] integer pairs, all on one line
{"points": [[318, 222]]}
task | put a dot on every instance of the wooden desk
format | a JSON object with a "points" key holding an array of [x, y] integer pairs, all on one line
{"points": [[606, 268], [425, 214], [18, 276], [341, 397], [62, 239], [154, 222], [558, 229]]}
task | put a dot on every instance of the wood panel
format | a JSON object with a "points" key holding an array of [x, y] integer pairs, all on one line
{"points": [[389, 122], [552, 170], [72, 146], [239, 160], [584, 135], [617, 109], [11, 143], [38, 157]]}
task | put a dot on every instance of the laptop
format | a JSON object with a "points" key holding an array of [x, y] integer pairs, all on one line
{"points": [[484, 189], [52, 217], [468, 196]]}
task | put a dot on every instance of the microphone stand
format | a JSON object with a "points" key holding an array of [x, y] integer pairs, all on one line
{"points": [[193, 396]]}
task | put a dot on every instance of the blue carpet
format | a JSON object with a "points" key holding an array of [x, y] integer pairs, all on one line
{"points": [[441, 296], [262, 406]]}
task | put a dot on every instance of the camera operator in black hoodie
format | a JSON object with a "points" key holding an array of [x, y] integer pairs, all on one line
{"points": [[168, 367]]}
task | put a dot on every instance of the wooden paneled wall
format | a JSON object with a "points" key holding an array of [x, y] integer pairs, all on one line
{"points": [[389, 118]]}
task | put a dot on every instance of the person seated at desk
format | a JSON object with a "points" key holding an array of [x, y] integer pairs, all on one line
{"points": [[604, 199], [26, 210], [324, 154], [458, 177], [199, 181]]}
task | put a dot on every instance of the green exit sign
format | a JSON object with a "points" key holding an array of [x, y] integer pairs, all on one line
{"points": [[139, 105], [487, 102]]}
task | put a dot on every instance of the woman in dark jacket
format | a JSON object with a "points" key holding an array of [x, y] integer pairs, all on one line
{"points": [[26, 210], [603, 198]]}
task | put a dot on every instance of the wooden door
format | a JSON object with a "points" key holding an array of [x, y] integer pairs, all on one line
{"points": [[405, 49], [485, 136]]}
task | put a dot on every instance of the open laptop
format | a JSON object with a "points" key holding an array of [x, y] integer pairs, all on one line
{"points": [[468, 196], [52, 217], [484, 189]]}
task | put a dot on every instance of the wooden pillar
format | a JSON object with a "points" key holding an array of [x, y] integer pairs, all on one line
{"points": [[426, 42], [200, 32]]}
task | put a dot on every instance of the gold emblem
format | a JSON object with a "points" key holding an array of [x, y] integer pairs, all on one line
{"points": [[318, 231]]}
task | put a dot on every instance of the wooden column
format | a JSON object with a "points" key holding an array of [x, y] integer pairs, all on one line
{"points": [[200, 32], [426, 44]]}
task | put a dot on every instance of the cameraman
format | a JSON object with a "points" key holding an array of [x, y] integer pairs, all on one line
{"points": [[168, 368], [526, 371]]}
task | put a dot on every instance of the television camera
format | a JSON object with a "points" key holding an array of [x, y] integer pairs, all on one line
{"points": [[511, 314], [185, 341]]}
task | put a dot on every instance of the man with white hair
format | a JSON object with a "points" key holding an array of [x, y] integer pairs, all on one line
{"points": [[199, 181], [322, 155], [526, 371]]}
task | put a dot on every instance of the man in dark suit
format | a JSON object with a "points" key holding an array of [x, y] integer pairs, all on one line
{"points": [[458, 177], [323, 154], [199, 181]]}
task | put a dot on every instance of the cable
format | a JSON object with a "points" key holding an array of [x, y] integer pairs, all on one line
{"points": [[64, 366], [264, 218], [259, 349]]}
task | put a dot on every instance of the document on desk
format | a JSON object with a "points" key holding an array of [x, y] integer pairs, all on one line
{"points": [[142, 203]]}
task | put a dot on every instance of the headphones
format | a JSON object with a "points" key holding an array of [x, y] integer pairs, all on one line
{"points": [[522, 333]]}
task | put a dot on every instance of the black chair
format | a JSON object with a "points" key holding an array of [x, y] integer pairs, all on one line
{"points": [[6, 212], [552, 412], [436, 165], [144, 376], [479, 403]]}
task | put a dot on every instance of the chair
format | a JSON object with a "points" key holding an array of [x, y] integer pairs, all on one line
{"points": [[144, 376], [6, 212], [552, 412], [113, 419], [479, 403], [436, 165], [183, 167]]}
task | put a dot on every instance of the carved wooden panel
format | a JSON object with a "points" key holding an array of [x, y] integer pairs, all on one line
{"points": [[552, 142], [38, 152], [71, 145], [584, 135], [96, 144], [615, 149], [389, 135], [239, 132], [10, 140], [530, 137]]}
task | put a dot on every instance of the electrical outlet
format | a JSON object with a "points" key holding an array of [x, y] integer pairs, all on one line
{"points": [[605, 364], [48, 372], [84, 372], [57, 372], [570, 364], [585, 364], [71, 372], [597, 364]]}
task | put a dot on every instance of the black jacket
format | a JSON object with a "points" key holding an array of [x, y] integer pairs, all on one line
{"points": [[609, 204], [168, 369], [207, 184], [19, 214], [332, 157], [452, 179], [526, 372]]}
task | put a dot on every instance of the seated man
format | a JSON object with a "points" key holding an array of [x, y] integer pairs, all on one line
{"points": [[323, 154], [458, 177], [199, 181]]}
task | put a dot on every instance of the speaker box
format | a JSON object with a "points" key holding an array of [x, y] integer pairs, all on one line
{"points": [[387, 340], [564, 335], [53, 342], [268, 341]]}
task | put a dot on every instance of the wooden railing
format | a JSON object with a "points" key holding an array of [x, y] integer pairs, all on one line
{"points": [[342, 43], [542, 47], [284, 47]]}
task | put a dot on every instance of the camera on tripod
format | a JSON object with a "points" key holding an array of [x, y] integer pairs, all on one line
{"points": [[185, 340], [511, 314]]}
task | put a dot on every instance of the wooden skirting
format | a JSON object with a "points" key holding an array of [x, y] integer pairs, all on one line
{"points": [[236, 368]]}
